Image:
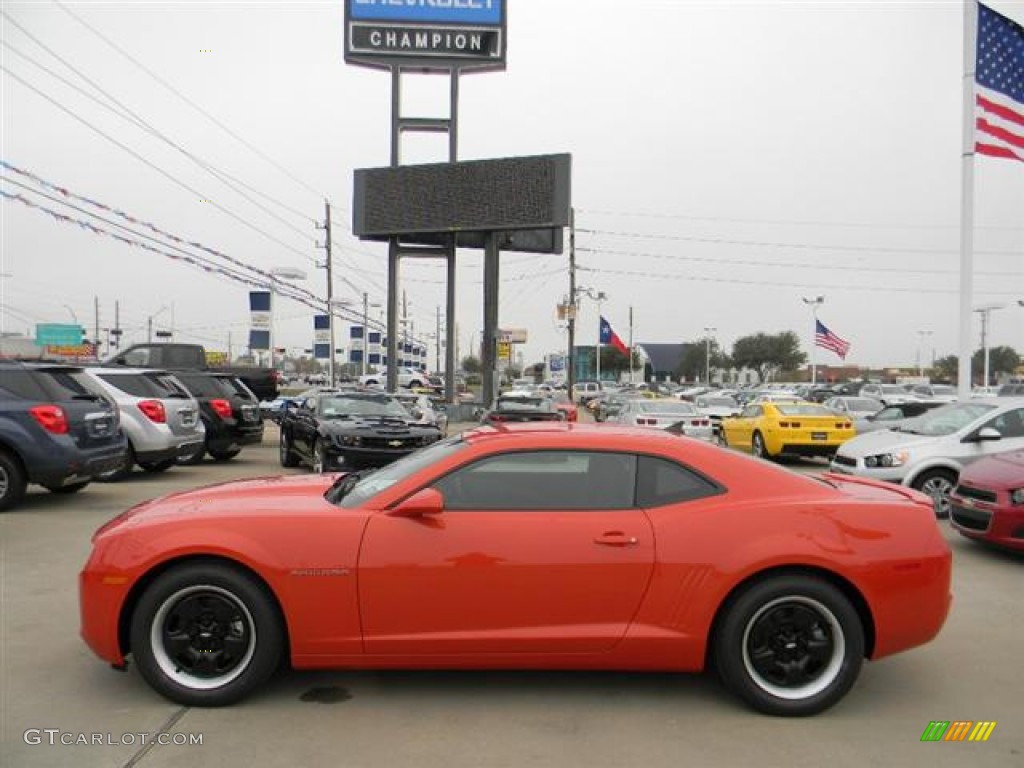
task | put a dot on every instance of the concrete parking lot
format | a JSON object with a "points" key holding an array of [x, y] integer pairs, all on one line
{"points": [[52, 689]]}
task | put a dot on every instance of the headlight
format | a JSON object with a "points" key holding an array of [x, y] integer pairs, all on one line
{"points": [[349, 440], [1017, 496], [886, 460]]}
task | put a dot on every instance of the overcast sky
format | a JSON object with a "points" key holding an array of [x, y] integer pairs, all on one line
{"points": [[729, 158]]}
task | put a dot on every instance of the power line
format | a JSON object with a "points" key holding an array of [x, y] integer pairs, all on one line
{"points": [[735, 281], [188, 101], [792, 264], [159, 170], [795, 246], [127, 113]]}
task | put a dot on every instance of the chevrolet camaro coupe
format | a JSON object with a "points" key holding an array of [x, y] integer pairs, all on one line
{"points": [[541, 546]]}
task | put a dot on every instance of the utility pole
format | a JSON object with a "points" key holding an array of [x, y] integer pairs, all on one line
{"points": [[571, 308], [437, 340], [330, 289], [366, 330]]}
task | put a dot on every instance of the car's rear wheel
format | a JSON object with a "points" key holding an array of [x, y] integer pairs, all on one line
{"points": [[13, 481], [757, 447], [206, 634], [790, 645], [287, 453], [195, 456], [937, 483], [121, 471], [225, 455], [158, 466], [67, 489]]}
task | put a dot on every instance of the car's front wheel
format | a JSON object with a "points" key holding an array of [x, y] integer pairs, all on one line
{"points": [[937, 483], [790, 645], [287, 453], [13, 481], [206, 634]]}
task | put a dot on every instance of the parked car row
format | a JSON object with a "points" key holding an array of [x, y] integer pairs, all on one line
{"points": [[64, 426]]}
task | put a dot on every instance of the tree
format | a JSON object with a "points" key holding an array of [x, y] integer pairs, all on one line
{"points": [[946, 368], [1000, 360], [765, 353], [694, 360], [471, 364], [614, 361]]}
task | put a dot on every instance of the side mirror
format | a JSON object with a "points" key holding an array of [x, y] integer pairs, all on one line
{"points": [[429, 501], [986, 434]]}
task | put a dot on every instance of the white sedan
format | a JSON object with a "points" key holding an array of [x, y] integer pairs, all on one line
{"points": [[674, 415]]}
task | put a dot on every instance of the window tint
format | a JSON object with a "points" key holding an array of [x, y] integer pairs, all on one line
{"points": [[137, 358], [67, 384], [1009, 424], [202, 385], [543, 480], [21, 383], [665, 482], [136, 384]]}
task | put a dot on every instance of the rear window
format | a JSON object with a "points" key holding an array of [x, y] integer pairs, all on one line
{"points": [[22, 384], [142, 384], [802, 409], [205, 386], [667, 406]]}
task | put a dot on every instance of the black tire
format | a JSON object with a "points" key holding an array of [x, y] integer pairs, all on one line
{"points": [[789, 645], [158, 466], [13, 481], [286, 453], [239, 646], [319, 457], [937, 483], [758, 448], [67, 489], [195, 457], [120, 472], [720, 438], [227, 455]]}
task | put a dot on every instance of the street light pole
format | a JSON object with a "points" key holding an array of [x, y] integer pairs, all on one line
{"points": [[707, 351], [985, 313], [920, 351], [814, 303]]}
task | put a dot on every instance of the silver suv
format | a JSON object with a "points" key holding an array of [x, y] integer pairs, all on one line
{"points": [[929, 451], [158, 414]]}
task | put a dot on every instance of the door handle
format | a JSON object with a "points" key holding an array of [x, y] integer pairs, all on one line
{"points": [[616, 539]]}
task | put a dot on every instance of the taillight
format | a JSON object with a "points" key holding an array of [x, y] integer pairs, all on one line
{"points": [[153, 410], [51, 418], [222, 408]]}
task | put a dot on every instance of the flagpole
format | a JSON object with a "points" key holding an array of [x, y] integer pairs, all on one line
{"points": [[600, 318], [967, 200], [630, 345]]}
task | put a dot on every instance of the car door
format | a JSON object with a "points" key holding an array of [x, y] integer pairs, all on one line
{"points": [[741, 428], [303, 426], [535, 552]]}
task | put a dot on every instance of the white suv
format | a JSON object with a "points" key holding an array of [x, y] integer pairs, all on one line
{"points": [[407, 377], [158, 414]]}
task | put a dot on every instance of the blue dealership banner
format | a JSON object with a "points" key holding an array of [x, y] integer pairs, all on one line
{"points": [[428, 11]]}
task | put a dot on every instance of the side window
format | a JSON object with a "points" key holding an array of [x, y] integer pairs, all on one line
{"points": [[1009, 424], [21, 383], [543, 480], [662, 482], [138, 358]]}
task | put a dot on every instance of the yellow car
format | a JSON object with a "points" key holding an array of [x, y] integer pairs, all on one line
{"points": [[769, 430]]}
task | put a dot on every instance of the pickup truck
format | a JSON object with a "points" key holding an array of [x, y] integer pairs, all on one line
{"points": [[172, 356]]}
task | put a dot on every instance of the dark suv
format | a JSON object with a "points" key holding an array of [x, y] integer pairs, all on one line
{"points": [[56, 429], [230, 413]]}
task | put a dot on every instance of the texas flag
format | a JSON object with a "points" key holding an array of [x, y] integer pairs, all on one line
{"points": [[608, 336]]}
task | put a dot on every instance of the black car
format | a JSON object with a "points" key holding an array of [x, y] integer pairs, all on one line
{"points": [[523, 407], [230, 413], [333, 428], [56, 430]]}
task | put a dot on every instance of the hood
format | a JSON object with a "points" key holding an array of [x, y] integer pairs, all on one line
{"points": [[236, 499], [884, 440], [1001, 472]]}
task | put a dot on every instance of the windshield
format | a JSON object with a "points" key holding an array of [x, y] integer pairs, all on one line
{"points": [[346, 406], [370, 485], [710, 402], [892, 389], [943, 389], [863, 405], [946, 420]]}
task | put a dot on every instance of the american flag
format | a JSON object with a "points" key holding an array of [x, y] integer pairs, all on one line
{"points": [[823, 337], [999, 99]]}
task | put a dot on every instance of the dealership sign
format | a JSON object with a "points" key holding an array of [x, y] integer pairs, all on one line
{"points": [[429, 34]]}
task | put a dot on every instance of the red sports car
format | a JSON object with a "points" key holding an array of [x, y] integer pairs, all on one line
{"points": [[545, 545], [988, 501]]}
